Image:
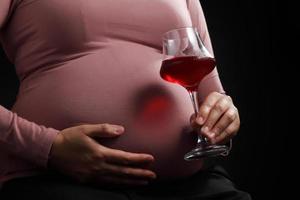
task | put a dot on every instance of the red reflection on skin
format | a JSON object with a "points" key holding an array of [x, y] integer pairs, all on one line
{"points": [[155, 110]]}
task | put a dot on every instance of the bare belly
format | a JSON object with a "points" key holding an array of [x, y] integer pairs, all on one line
{"points": [[118, 88]]}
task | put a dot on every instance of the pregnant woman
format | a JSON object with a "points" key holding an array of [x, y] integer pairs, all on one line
{"points": [[93, 119]]}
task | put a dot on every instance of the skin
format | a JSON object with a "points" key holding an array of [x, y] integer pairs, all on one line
{"points": [[77, 154], [218, 118]]}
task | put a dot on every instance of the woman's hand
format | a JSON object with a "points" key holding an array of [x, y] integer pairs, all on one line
{"points": [[75, 153], [218, 118]]}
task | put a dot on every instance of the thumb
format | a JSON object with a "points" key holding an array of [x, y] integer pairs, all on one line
{"points": [[192, 118], [102, 130], [193, 121]]}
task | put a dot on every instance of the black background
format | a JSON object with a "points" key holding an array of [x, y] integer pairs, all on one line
{"points": [[250, 39], [254, 41]]}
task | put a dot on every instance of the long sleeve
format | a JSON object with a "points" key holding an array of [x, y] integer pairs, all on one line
{"points": [[6, 9], [18, 136], [25, 139], [212, 81]]}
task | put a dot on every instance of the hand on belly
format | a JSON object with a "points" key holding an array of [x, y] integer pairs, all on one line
{"points": [[76, 154]]}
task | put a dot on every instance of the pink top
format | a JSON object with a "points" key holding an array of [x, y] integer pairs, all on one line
{"points": [[91, 61]]}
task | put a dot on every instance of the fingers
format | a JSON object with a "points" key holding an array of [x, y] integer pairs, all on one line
{"points": [[226, 119], [101, 130], [218, 117], [129, 172], [219, 108], [124, 174], [193, 121], [125, 158], [207, 106], [228, 133]]}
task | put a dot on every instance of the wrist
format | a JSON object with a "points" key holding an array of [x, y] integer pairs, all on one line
{"points": [[54, 150]]}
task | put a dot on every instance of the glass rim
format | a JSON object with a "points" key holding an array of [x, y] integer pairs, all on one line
{"points": [[177, 29]]}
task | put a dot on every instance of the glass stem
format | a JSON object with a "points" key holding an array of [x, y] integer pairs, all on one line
{"points": [[194, 98]]}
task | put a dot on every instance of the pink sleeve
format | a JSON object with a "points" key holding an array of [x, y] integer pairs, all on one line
{"points": [[17, 135], [212, 81], [24, 138], [6, 9]]}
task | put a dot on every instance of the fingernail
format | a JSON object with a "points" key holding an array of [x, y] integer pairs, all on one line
{"points": [[150, 158], [119, 129], [200, 120], [212, 135], [153, 176], [204, 129]]}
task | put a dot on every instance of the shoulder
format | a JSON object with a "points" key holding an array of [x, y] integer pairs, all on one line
{"points": [[6, 9]]}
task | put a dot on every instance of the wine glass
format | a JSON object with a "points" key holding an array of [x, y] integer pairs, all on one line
{"points": [[186, 62]]}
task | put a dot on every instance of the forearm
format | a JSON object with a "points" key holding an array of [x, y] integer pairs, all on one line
{"points": [[211, 83], [24, 138]]}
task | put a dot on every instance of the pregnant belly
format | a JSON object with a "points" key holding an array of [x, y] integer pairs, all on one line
{"points": [[155, 113]]}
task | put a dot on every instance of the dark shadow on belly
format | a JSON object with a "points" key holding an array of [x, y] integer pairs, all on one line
{"points": [[153, 105]]}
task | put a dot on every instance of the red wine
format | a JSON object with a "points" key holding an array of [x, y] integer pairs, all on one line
{"points": [[187, 71]]}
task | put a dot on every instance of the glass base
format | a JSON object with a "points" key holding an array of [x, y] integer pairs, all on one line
{"points": [[202, 151]]}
